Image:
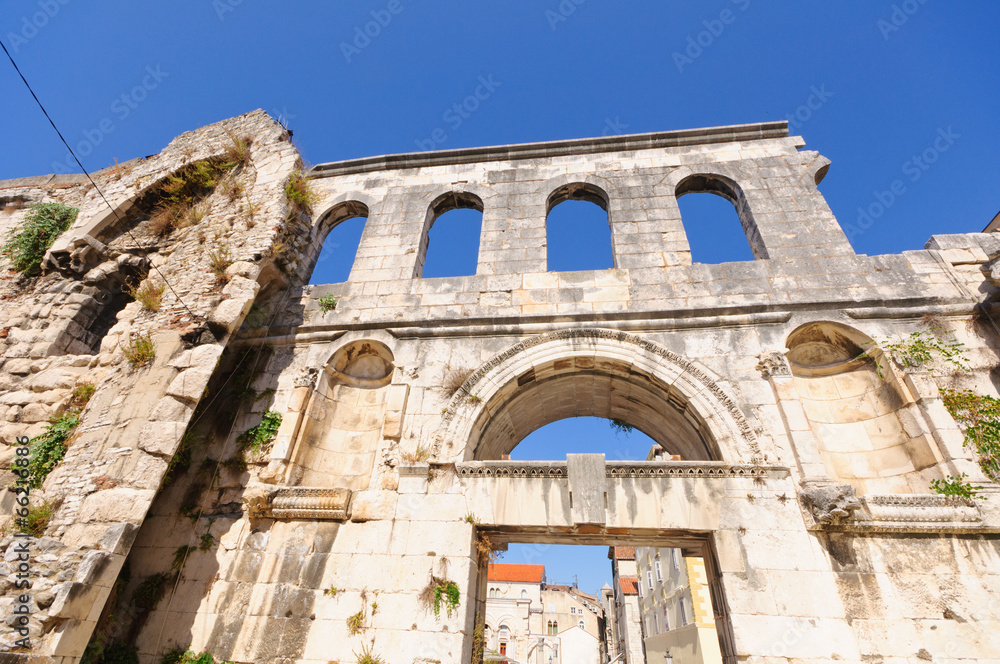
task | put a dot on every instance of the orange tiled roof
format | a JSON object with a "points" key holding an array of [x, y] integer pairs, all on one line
{"points": [[629, 585], [516, 573]]}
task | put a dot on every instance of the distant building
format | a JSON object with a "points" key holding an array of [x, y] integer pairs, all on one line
{"points": [[676, 608], [532, 622], [627, 622]]}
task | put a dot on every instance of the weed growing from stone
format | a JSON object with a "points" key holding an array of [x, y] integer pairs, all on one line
{"points": [[180, 461], [82, 394], [956, 486], [149, 593], [419, 455], [620, 427], [219, 260], [185, 656], [140, 350], [27, 242], [300, 195], [920, 348], [48, 449], [448, 593], [255, 440], [331, 591], [368, 655], [455, 377], [979, 417], [149, 295], [207, 542], [173, 656], [117, 652], [356, 623], [180, 557], [327, 303], [38, 518], [238, 153]]}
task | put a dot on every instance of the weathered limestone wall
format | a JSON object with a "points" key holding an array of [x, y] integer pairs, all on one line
{"points": [[134, 422], [395, 406]]}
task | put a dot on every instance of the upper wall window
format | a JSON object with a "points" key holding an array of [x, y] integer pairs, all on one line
{"points": [[450, 246], [343, 226], [717, 220], [578, 229]]}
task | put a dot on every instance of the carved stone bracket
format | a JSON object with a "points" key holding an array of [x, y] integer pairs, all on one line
{"points": [[307, 378], [773, 364], [832, 504], [276, 502]]}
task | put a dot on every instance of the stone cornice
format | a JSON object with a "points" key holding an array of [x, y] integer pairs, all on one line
{"points": [[548, 149]]}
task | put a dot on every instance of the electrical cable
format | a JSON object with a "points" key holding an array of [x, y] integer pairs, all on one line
{"points": [[114, 211]]}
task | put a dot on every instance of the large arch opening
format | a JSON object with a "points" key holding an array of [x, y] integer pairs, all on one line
{"points": [[613, 394], [598, 373]]}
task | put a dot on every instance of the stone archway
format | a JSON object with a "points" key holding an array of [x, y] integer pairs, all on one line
{"points": [[597, 372]]}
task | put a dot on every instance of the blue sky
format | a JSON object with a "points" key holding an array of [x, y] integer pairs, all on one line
{"points": [[901, 91]]}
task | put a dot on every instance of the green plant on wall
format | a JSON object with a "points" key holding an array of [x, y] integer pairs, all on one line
{"points": [[956, 486], [27, 242], [922, 348], [327, 303], [448, 594], [979, 417], [255, 439], [48, 449]]}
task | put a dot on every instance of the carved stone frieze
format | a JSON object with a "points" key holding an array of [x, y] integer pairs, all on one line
{"points": [[615, 469], [282, 502]]}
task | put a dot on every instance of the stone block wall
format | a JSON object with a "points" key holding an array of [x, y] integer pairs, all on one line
{"points": [[383, 480]]}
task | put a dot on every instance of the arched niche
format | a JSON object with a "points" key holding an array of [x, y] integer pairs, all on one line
{"points": [[863, 418], [602, 373], [342, 430]]}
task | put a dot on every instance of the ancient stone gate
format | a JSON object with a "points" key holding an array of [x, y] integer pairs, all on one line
{"points": [[808, 454]]}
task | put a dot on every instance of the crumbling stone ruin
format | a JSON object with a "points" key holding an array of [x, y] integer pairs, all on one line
{"points": [[270, 471]]}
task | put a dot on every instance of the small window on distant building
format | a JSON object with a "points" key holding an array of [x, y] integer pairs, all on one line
{"points": [[684, 610], [524, 594], [572, 609], [581, 625], [666, 619], [649, 578], [659, 570]]}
